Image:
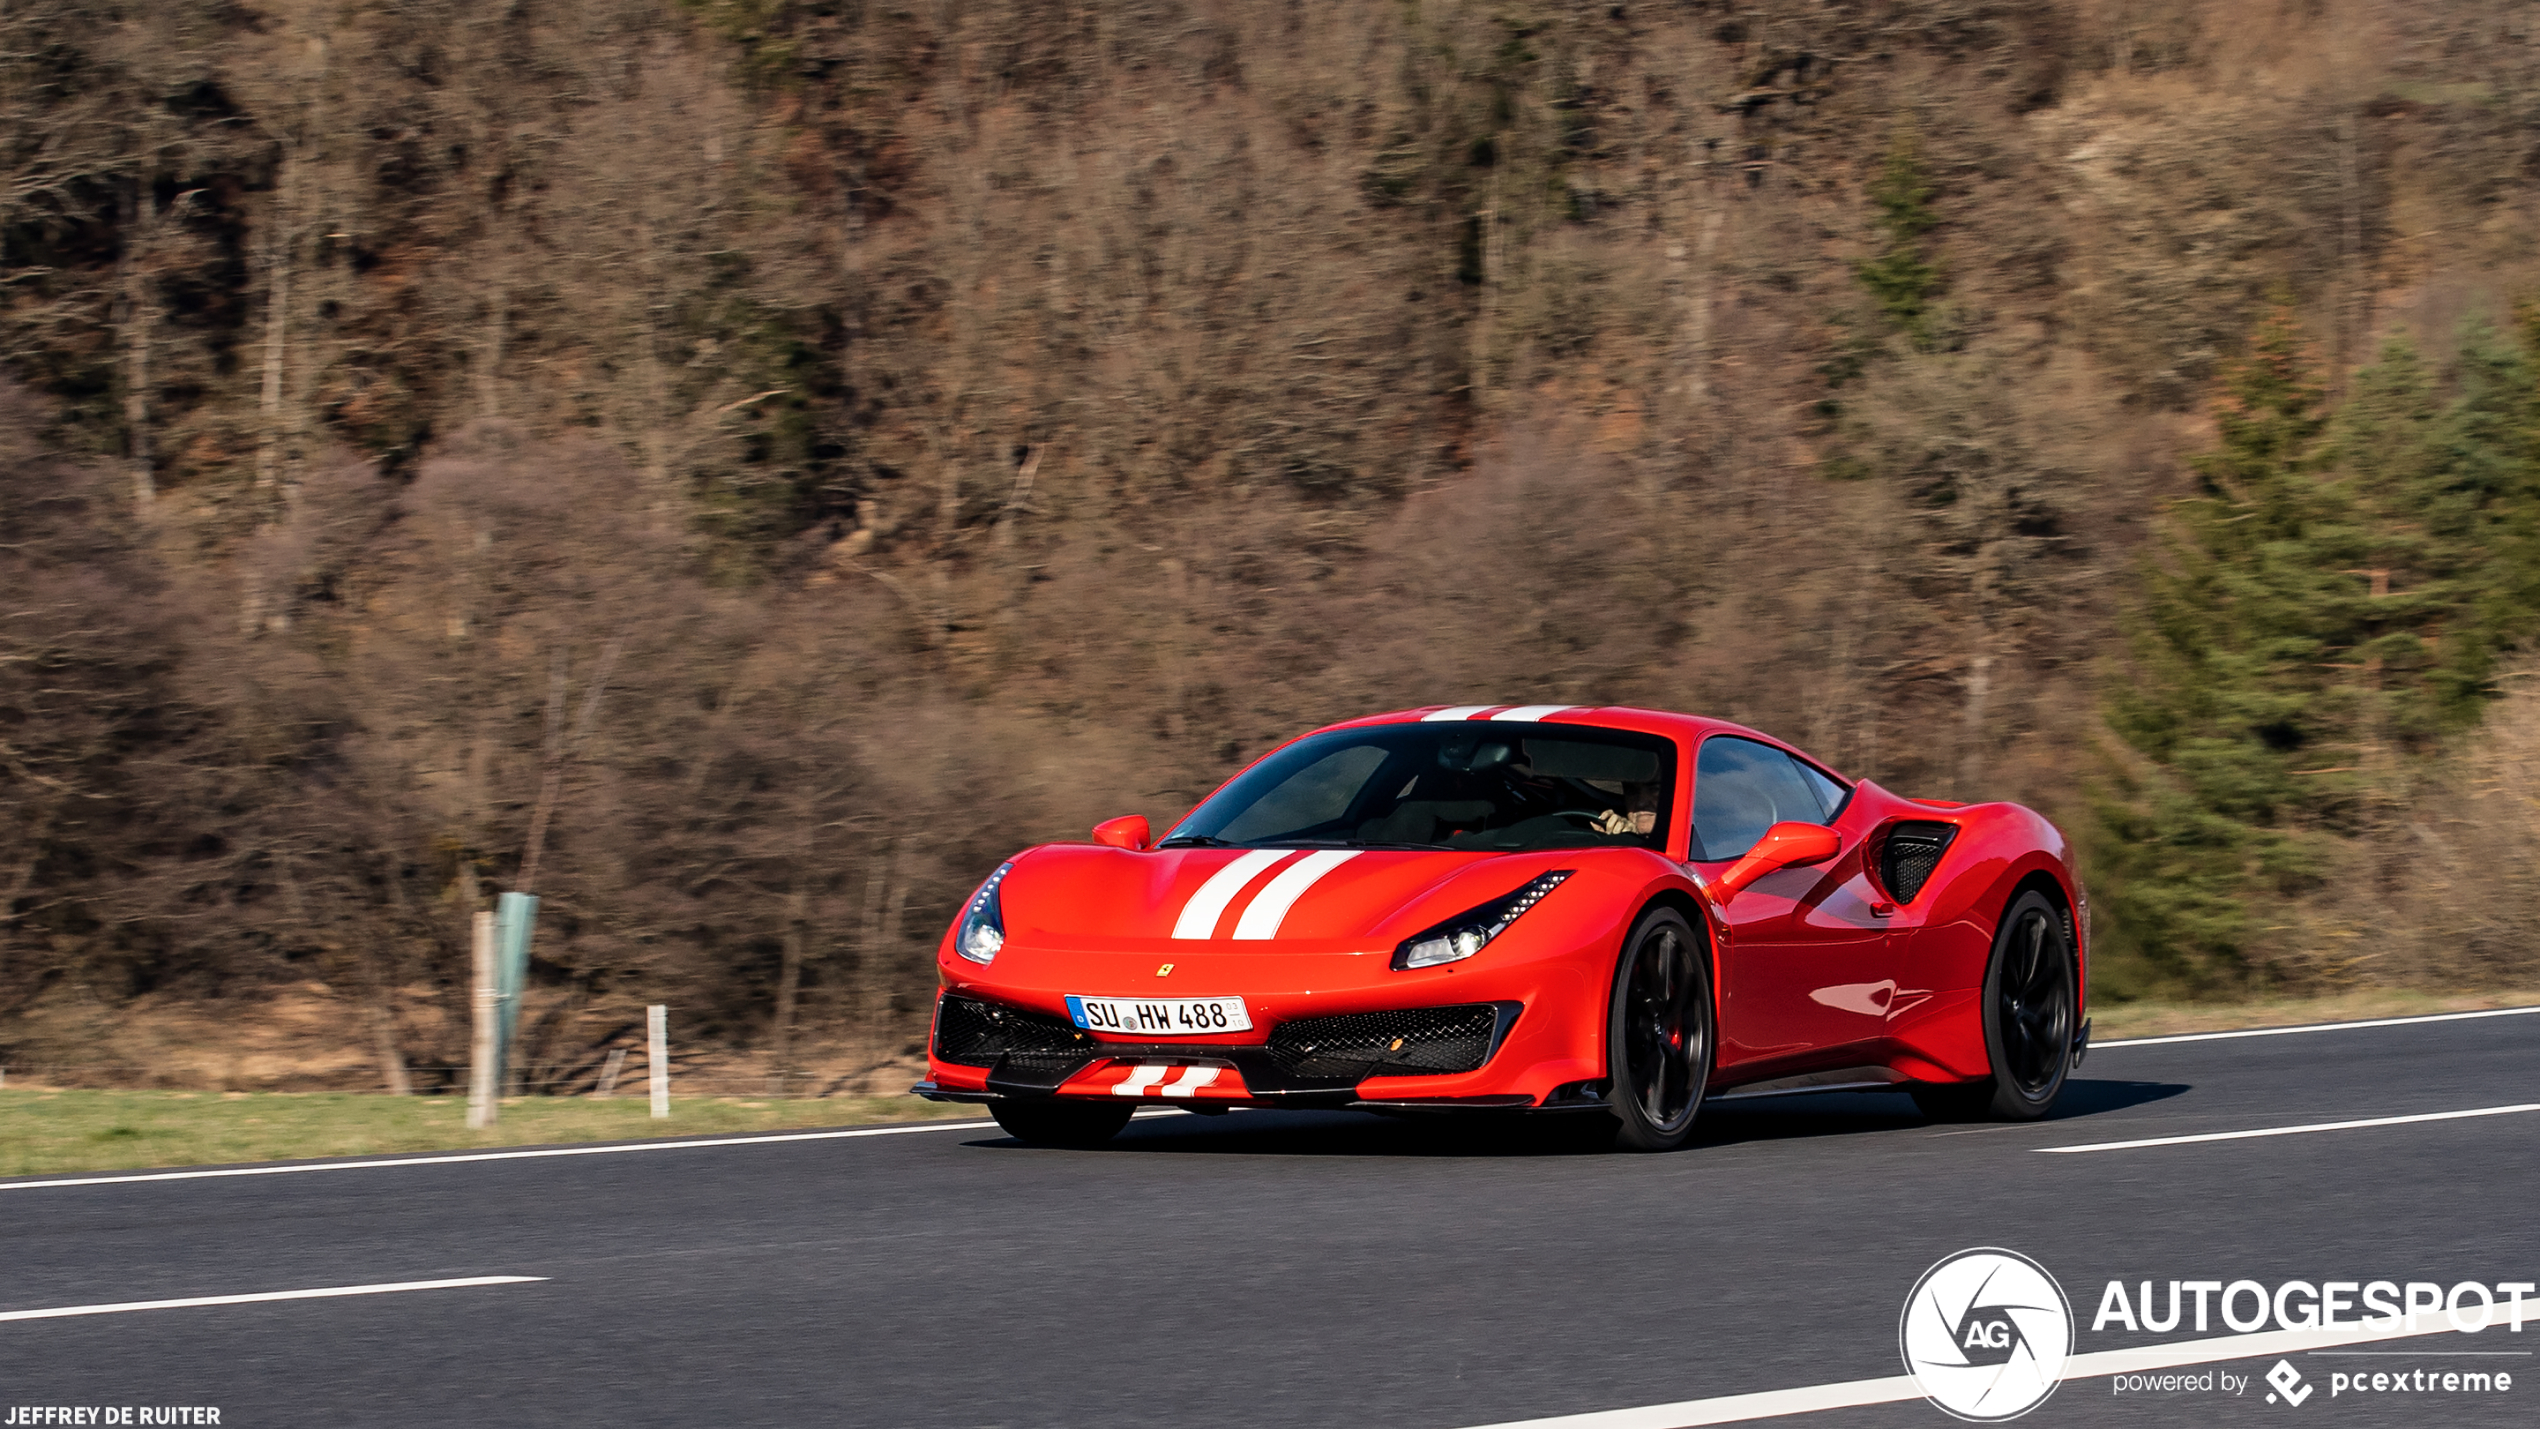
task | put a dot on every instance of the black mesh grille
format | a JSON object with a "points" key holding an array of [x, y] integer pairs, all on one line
{"points": [[976, 1034], [1912, 851], [1368, 1044]]}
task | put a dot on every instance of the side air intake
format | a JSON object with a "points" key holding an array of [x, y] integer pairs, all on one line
{"points": [[1909, 854], [1413, 1042]]}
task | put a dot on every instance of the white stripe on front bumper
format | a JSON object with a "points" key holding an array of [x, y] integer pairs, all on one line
{"points": [[1191, 1080], [1141, 1077]]}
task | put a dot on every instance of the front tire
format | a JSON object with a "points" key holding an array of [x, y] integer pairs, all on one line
{"points": [[1658, 1034], [2030, 1008], [1082, 1125]]}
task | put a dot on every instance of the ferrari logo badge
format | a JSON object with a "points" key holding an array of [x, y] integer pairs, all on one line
{"points": [[1164, 970]]}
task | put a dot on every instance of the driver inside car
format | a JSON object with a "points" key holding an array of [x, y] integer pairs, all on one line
{"points": [[1482, 786]]}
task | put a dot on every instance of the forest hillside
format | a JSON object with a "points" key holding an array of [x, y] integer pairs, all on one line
{"points": [[738, 468]]}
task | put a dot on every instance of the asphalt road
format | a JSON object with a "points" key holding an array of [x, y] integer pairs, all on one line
{"points": [[1292, 1269]]}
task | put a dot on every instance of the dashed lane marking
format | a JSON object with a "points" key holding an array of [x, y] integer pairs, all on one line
{"points": [[2292, 1130], [65, 1312]]}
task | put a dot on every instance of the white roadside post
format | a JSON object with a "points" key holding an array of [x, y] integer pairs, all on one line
{"points": [[657, 1030], [484, 1047]]}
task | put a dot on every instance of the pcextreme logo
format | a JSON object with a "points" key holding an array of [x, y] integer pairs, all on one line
{"points": [[2288, 1383], [1985, 1333]]}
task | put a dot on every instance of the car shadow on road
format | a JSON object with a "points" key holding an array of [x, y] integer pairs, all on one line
{"points": [[1847, 1113], [1350, 1133]]}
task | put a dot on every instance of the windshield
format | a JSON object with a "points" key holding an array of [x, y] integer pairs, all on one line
{"points": [[1456, 786]]}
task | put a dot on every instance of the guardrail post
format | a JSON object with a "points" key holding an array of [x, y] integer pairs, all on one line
{"points": [[485, 1042], [657, 1032]]}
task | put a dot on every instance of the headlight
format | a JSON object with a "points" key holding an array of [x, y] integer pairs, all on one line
{"points": [[982, 930], [1468, 933]]}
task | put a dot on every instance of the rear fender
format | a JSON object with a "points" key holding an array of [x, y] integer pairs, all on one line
{"points": [[1936, 1025]]}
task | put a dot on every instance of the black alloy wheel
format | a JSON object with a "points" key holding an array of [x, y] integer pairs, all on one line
{"points": [[2030, 1009], [1082, 1125], [1658, 1034]]}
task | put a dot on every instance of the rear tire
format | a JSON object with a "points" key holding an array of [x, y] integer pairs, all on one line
{"points": [[2030, 1007], [1658, 1034], [1082, 1125]]}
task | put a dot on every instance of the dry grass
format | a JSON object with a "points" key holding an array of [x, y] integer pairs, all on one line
{"points": [[2111, 1021], [45, 1131]]}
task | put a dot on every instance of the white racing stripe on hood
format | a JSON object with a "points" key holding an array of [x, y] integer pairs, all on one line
{"points": [[1454, 712], [1270, 907], [1200, 915], [1528, 714]]}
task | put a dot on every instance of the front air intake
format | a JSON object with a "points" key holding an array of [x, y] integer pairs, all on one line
{"points": [[1909, 854], [977, 1034], [1416, 1042]]}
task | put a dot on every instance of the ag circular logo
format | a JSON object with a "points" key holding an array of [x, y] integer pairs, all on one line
{"points": [[1986, 1333]]}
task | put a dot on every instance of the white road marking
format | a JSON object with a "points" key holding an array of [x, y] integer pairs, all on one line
{"points": [[1529, 714], [2314, 1027], [610, 1150], [1269, 907], [1454, 712], [1200, 915], [1141, 1077], [1189, 1083], [67, 1311], [2293, 1130], [1899, 1389], [616, 1149]]}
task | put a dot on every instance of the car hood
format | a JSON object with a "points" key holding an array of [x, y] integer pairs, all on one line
{"points": [[1077, 897]]}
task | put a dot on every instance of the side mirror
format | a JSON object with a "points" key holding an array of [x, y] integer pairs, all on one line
{"points": [[1785, 845], [1129, 831]]}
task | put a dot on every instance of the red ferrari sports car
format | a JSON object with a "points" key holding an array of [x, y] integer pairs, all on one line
{"points": [[1616, 913]]}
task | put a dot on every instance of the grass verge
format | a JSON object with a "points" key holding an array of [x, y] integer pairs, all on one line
{"points": [[2111, 1021], [46, 1132], [51, 1132]]}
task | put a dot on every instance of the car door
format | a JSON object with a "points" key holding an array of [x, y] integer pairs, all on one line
{"points": [[1807, 971]]}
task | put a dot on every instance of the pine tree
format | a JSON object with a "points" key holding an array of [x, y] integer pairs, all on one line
{"points": [[2225, 684], [1903, 277], [2327, 608]]}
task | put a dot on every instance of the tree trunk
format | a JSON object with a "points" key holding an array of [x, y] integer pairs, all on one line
{"points": [[383, 1031], [138, 313], [789, 977], [37, 829], [886, 885], [1486, 309], [277, 329], [489, 396], [561, 743]]}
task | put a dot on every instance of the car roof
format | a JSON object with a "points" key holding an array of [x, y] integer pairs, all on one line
{"points": [[1689, 728]]}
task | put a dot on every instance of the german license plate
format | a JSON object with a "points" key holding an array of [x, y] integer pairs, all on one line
{"points": [[1160, 1016]]}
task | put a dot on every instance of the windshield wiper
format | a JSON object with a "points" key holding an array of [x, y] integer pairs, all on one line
{"points": [[1195, 841]]}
